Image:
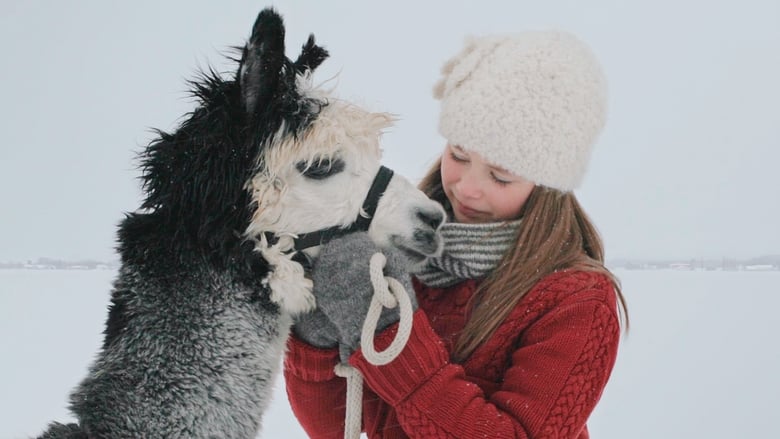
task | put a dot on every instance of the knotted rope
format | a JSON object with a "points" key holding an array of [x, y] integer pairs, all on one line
{"points": [[388, 293]]}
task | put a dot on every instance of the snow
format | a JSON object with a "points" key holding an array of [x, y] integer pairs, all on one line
{"points": [[700, 359]]}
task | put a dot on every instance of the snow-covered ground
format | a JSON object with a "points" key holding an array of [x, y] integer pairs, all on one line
{"points": [[701, 359]]}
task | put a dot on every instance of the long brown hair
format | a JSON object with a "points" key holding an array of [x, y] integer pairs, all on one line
{"points": [[555, 234]]}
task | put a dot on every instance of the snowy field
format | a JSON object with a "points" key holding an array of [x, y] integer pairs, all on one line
{"points": [[701, 359]]}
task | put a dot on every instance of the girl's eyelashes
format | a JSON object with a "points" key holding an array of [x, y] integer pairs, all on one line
{"points": [[458, 158], [498, 180], [461, 159]]}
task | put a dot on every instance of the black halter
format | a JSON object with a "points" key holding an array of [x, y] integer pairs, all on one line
{"points": [[313, 239]]}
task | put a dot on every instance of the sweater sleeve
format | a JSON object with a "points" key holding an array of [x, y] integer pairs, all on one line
{"points": [[556, 376], [317, 396]]}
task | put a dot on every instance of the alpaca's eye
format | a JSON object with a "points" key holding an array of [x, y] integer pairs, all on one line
{"points": [[320, 169]]}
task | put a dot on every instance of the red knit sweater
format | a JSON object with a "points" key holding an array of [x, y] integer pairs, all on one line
{"points": [[539, 376]]}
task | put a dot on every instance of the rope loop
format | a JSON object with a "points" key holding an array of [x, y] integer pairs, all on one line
{"points": [[388, 293]]}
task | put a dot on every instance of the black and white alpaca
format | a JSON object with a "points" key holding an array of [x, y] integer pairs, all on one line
{"points": [[201, 308]]}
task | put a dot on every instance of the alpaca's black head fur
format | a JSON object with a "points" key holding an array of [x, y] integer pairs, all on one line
{"points": [[194, 178]]}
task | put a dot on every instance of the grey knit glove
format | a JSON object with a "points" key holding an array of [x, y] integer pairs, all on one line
{"points": [[315, 329], [343, 289]]}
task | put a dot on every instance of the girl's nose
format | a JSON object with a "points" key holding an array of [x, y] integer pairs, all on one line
{"points": [[469, 185]]}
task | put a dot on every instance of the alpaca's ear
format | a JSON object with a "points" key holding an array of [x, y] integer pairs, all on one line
{"points": [[262, 60], [311, 56]]}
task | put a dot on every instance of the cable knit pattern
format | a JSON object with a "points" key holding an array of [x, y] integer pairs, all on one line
{"points": [[539, 375], [585, 381], [541, 300]]}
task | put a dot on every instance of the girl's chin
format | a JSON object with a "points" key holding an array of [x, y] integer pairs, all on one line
{"points": [[468, 218]]}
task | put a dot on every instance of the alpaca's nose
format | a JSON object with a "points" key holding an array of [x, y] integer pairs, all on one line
{"points": [[432, 217]]}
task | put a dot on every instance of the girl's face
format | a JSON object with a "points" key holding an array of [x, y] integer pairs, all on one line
{"points": [[481, 192]]}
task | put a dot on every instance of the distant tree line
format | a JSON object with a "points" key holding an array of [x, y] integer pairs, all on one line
{"points": [[59, 264], [766, 262], [770, 262]]}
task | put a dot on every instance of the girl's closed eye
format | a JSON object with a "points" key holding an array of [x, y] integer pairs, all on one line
{"points": [[499, 180], [458, 158]]}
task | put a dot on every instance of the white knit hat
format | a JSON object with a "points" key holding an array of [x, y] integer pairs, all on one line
{"points": [[532, 103]]}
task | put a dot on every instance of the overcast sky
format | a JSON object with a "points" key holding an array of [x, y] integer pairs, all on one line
{"points": [[686, 167]]}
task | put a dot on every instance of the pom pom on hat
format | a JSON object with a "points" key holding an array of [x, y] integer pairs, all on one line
{"points": [[532, 103]]}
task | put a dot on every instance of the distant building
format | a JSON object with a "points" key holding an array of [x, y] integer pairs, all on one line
{"points": [[760, 267], [680, 266]]}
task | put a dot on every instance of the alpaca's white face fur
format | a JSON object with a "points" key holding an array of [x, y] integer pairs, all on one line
{"points": [[320, 180]]}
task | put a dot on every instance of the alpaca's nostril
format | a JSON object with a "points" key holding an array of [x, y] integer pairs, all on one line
{"points": [[433, 218]]}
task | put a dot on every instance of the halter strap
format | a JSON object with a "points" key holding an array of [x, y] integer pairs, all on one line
{"points": [[313, 239]]}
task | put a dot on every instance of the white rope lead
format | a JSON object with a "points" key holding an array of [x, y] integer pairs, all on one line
{"points": [[388, 293], [353, 418]]}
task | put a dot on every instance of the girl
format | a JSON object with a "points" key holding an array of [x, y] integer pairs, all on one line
{"points": [[518, 321]]}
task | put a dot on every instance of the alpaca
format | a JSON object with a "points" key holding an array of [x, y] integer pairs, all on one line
{"points": [[213, 264]]}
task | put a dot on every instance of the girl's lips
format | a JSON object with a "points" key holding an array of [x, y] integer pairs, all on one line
{"points": [[466, 211]]}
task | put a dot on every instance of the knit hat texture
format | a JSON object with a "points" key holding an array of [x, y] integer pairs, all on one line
{"points": [[532, 103]]}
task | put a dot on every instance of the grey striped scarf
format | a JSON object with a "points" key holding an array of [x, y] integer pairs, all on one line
{"points": [[471, 251]]}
